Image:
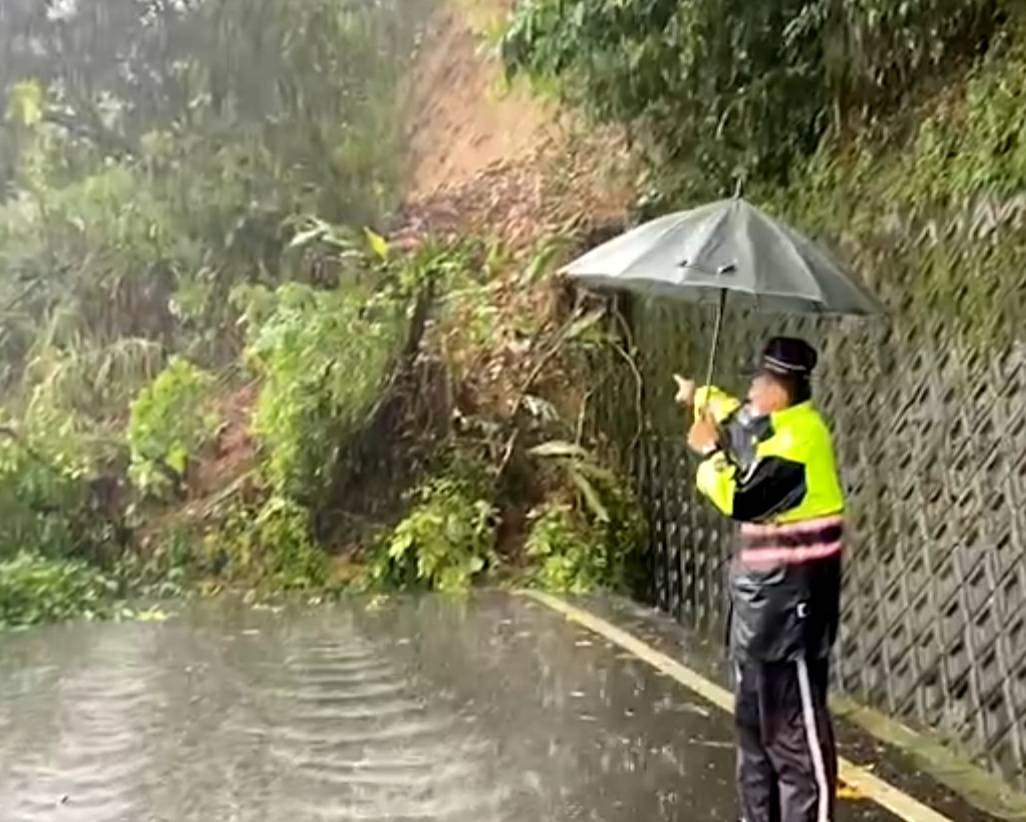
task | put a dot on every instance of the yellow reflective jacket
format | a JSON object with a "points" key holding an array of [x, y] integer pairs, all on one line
{"points": [[777, 475]]}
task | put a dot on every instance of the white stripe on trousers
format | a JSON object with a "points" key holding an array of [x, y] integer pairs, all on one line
{"points": [[812, 735]]}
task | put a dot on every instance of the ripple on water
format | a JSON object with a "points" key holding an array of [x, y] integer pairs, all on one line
{"points": [[378, 751], [274, 723], [92, 754]]}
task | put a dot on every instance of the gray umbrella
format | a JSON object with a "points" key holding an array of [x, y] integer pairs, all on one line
{"points": [[726, 246]]}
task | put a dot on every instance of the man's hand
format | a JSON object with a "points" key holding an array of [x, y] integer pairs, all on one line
{"points": [[703, 436], [685, 391]]}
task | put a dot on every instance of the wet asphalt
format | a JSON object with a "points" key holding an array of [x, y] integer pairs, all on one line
{"points": [[478, 709]]}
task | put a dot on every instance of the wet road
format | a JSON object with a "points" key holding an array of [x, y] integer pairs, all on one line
{"points": [[492, 708]]}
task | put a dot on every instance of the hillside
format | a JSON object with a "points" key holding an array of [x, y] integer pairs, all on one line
{"points": [[489, 160], [279, 309], [219, 375]]}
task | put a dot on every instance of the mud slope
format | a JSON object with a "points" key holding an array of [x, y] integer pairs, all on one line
{"points": [[461, 119], [493, 161]]}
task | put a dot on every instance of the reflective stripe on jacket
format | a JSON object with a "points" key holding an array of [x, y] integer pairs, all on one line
{"points": [[778, 477]]}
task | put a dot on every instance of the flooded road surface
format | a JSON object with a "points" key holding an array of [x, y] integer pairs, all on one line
{"points": [[491, 708]]}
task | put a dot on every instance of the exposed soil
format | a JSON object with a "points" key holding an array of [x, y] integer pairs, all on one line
{"points": [[496, 162], [461, 121], [234, 450]]}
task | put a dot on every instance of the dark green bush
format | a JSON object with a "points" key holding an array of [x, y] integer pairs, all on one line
{"points": [[448, 537], [595, 538], [269, 546], [324, 357], [736, 89], [170, 421], [35, 589]]}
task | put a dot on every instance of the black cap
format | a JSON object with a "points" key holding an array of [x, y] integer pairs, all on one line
{"points": [[788, 357]]}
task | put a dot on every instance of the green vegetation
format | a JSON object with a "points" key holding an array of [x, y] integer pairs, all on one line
{"points": [[170, 421], [35, 589], [217, 374], [445, 541], [48, 494], [580, 556], [728, 90], [968, 141], [324, 358], [893, 128], [155, 160], [593, 540], [926, 205], [270, 547]]}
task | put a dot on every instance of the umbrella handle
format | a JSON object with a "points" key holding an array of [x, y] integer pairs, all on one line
{"points": [[717, 331]]}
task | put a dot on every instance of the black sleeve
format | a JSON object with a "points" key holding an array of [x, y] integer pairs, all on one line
{"points": [[772, 486]]}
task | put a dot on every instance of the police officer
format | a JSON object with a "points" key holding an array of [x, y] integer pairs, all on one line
{"points": [[770, 465]]}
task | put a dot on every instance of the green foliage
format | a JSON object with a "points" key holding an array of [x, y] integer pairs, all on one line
{"points": [[25, 104], [35, 589], [312, 81], [171, 419], [324, 358], [967, 141], [271, 547], [295, 562], [445, 541], [919, 210], [233, 146], [165, 565], [736, 89], [973, 142], [468, 297], [46, 467], [595, 542], [91, 381], [138, 187], [88, 271], [446, 267], [582, 471], [569, 556]]}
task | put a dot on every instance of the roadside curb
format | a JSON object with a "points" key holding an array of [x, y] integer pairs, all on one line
{"points": [[882, 793], [979, 787]]}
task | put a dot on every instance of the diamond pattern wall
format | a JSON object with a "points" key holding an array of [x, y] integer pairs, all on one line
{"points": [[929, 417]]}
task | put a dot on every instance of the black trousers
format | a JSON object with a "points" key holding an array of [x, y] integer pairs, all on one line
{"points": [[787, 760]]}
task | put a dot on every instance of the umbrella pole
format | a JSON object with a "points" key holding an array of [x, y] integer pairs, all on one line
{"points": [[718, 329]]}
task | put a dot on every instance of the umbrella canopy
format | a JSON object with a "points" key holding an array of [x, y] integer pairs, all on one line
{"points": [[726, 246]]}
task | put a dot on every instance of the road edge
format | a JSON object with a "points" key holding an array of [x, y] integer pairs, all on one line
{"points": [[872, 787]]}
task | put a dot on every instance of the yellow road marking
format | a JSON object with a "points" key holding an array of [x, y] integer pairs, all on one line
{"points": [[884, 794]]}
